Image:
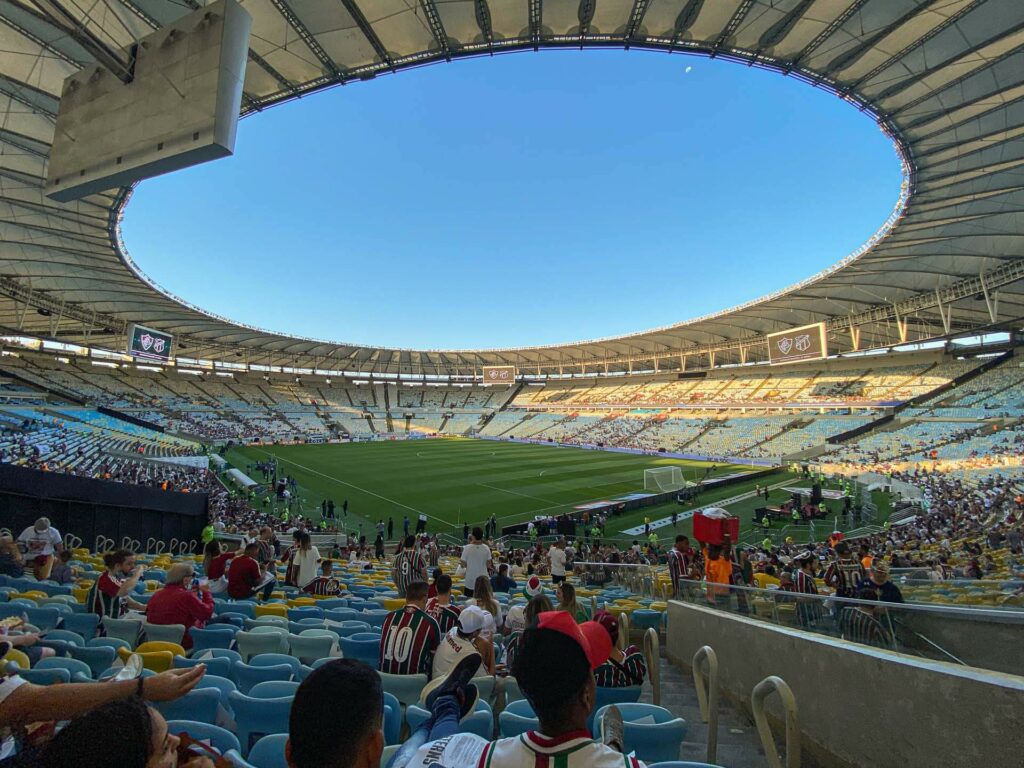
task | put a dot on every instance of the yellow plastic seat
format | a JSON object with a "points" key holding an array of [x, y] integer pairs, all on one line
{"points": [[32, 594], [158, 661], [271, 609], [160, 645], [298, 602], [392, 603], [18, 658]]}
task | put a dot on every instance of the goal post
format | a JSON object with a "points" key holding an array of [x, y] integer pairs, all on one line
{"points": [[664, 479]]}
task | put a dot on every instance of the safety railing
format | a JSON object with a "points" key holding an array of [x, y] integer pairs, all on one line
{"points": [[652, 653], [707, 696], [960, 634], [761, 692]]}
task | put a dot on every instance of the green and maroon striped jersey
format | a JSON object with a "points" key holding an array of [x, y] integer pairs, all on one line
{"points": [[410, 565], [630, 672], [408, 641], [446, 616]]}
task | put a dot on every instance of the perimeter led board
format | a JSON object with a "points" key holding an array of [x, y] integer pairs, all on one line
{"points": [[180, 108], [147, 344], [809, 342], [499, 374]]}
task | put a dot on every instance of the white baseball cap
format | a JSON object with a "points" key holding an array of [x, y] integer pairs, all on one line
{"points": [[472, 619]]}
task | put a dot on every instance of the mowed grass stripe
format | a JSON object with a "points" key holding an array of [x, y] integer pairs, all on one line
{"points": [[457, 479]]}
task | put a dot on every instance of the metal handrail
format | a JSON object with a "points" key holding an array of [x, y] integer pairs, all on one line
{"points": [[652, 652], [707, 699], [762, 690], [623, 639]]}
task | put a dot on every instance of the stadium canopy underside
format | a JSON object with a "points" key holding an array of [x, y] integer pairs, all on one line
{"points": [[945, 78]]}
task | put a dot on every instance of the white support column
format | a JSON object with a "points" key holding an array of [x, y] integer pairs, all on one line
{"points": [[991, 300], [743, 355], [855, 337], [946, 313], [711, 358]]}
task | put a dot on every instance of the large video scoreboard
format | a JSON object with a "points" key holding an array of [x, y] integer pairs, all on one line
{"points": [[147, 344], [809, 342]]}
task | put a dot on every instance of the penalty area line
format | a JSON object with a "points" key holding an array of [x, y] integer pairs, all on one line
{"points": [[515, 493]]}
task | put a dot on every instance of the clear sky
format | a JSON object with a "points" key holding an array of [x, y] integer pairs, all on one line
{"points": [[522, 199]]}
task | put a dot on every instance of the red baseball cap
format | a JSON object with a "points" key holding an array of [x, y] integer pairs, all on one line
{"points": [[590, 636]]}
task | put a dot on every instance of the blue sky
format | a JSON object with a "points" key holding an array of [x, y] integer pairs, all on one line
{"points": [[523, 199]]}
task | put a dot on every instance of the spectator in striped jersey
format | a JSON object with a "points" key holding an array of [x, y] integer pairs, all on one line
{"points": [[109, 596], [410, 565], [440, 607], [809, 612], [845, 573], [537, 605], [623, 668], [410, 636], [860, 624], [325, 583]]}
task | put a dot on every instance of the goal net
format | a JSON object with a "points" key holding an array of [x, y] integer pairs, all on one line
{"points": [[663, 479]]}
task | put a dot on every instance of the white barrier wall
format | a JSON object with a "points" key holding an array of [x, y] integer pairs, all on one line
{"points": [[859, 706]]}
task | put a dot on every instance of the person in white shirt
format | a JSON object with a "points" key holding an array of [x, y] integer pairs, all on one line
{"points": [[305, 561], [39, 543], [556, 559], [476, 559], [464, 639]]}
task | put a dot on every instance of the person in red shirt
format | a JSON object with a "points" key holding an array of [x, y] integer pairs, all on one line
{"points": [[215, 566], [175, 603], [245, 577]]}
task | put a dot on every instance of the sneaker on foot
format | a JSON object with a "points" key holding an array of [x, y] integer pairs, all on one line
{"points": [[449, 685], [613, 732]]}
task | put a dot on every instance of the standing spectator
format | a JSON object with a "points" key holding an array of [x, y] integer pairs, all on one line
{"points": [[174, 603], [108, 597], [409, 566], [845, 573], [809, 612], [40, 541], [477, 559], [556, 560], [440, 607], [405, 525], [304, 561], [391, 528], [409, 636], [623, 668]]}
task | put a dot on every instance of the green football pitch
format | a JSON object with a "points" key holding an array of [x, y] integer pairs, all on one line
{"points": [[458, 480]]}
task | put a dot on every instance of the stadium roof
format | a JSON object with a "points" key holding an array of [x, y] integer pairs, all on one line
{"points": [[945, 78]]}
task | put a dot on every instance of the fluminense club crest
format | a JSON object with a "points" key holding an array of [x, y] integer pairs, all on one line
{"points": [[146, 340], [785, 345]]}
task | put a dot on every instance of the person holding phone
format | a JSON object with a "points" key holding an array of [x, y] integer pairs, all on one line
{"points": [[182, 600]]}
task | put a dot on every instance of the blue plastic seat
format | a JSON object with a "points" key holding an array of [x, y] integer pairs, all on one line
{"points": [[605, 696], [98, 658], [244, 607], [309, 648], [273, 689], [66, 635], [45, 676], [405, 688], [683, 764], [265, 621], [643, 618], [108, 642], [217, 636], [219, 738], [296, 627], [123, 629], [222, 685], [349, 628], [341, 614], [198, 704], [367, 651], [392, 719], [305, 612], [259, 716], [219, 667], [273, 659], [268, 752], [517, 718], [73, 666], [332, 603], [653, 742], [375, 618], [46, 618], [245, 676]]}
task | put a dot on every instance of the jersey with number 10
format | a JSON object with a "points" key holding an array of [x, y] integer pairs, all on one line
{"points": [[408, 641]]}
